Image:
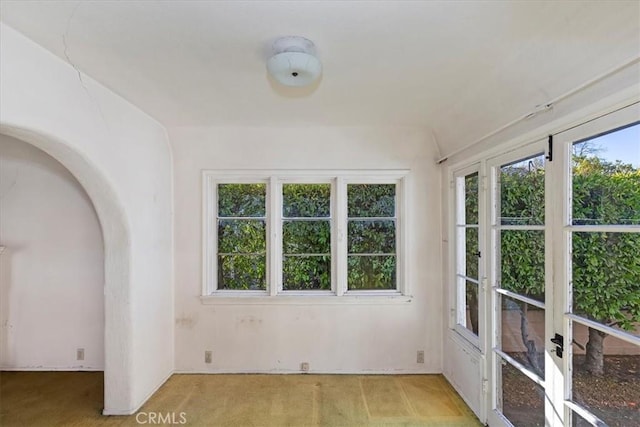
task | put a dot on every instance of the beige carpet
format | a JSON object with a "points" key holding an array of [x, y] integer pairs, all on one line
{"points": [[75, 399]]}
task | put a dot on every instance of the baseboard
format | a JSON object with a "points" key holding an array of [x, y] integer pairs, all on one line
{"points": [[298, 372], [44, 369]]}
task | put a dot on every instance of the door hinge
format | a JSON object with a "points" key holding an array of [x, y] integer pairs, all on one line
{"points": [[485, 385]]}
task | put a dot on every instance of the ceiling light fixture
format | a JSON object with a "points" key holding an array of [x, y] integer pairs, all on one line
{"points": [[293, 62]]}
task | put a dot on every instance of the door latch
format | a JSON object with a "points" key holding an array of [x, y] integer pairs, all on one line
{"points": [[558, 340]]}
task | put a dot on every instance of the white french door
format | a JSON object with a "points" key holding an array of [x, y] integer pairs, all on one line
{"points": [[563, 330], [518, 277]]}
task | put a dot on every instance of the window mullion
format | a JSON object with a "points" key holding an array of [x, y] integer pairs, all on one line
{"points": [[274, 215], [339, 238]]}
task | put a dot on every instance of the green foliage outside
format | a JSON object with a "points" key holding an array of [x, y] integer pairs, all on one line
{"points": [[306, 236], [306, 244], [371, 236], [605, 266], [242, 244]]}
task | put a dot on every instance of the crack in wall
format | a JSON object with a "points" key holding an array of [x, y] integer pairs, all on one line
{"points": [[65, 35]]}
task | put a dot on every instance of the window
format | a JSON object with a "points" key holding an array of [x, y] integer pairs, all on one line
{"points": [[242, 240], [306, 237], [467, 259], [371, 236], [296, 233]]}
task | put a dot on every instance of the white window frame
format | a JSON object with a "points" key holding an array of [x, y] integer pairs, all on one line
{"points": [[339, 179]]}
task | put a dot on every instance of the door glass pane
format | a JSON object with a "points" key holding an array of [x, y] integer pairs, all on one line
{"points": [[606, 376], [522, 192], [471, 253], [522, 399], [471, 306], [522, 262], [471, 198], [606, 278], [606, 178], [523, 333], [578, 421]]}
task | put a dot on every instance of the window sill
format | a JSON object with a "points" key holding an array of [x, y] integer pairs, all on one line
{"points": [[363, 299]]}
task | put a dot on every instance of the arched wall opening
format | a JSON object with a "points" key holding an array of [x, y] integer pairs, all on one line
{"points": [[51, 267], [118, 343]]}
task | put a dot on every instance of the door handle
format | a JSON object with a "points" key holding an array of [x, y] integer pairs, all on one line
{"points": [[558, 340]]}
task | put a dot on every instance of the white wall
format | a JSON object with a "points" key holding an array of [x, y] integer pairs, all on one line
{"points": [[123, 160], [52, 268], [332, 338]]}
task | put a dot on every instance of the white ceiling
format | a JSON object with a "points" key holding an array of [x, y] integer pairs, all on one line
{"points": [[459, 69]]}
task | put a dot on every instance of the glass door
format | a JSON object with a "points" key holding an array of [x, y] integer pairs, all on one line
{"points": [[565, 278], [602, 230], [518, 282]]}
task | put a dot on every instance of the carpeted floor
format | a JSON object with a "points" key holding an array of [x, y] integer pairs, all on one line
{"points": [[75, 399]]}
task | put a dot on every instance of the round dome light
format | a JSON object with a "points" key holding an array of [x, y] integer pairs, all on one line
{"points": [[294, 62]]}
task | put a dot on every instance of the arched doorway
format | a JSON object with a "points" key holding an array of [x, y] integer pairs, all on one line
{"points": [[117, 317]]}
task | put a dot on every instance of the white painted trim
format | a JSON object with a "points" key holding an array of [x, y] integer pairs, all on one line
{"points": [[545, 107], [281, 371], [51, 369], [523, 369], [603, 228], [519, 297], [606, 106], [622, 335], [588, 416], [315, 299]]}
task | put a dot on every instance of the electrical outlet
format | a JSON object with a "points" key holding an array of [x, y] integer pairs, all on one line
{"points": [[208, 355], [80, 354], [420, 357], [304, 366]]}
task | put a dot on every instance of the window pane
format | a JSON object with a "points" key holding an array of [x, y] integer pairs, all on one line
{"points": [[242, 272], [522, 262], [522, 192], [306, 237], [471, 198], [471, 253], [371, 200], [241, 200], [522, 399], [306, 200], [306, 272], [522, 332], [371, 237], [471, 304], [371, 272], [241, 236], [606, 178], [606, 376], [606, 278], [578, 421]]}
